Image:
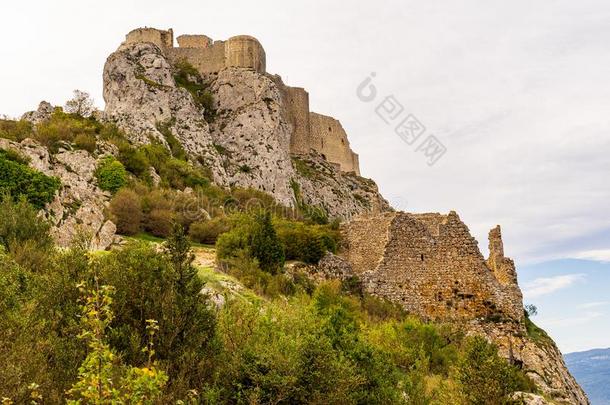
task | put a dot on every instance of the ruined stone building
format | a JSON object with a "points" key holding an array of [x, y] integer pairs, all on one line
{"points": [[310, 131], [431, 265]]}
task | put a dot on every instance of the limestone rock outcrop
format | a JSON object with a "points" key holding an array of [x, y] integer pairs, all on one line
{"points": [[246, 138], [43, 113], [143, 99], [79, 205], [251, 133]]}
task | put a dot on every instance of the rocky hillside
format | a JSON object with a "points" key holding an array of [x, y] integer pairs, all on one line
{"points": [[184, 143]]}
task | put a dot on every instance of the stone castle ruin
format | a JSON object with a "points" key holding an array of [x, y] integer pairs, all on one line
{"points": [[310, 131], [431, 265]]}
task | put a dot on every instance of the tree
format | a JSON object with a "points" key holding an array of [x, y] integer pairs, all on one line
{"points": [[484, 377], [80, 104], [531, 310], [23, 233], [265, 246]]}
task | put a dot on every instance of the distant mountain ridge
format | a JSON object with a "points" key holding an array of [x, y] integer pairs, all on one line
{"points": [[592, 371]]}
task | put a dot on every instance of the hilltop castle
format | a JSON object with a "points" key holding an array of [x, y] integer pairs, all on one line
{"points": [[310, 131]]}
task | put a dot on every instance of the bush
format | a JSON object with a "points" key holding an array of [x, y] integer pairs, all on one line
{"points": [[159, 222], [111, 174], [306, 243], [17, 179], [207, 232], [126, 209], [15, 130], [23, 233], [162, 286], [86, 142], [484, 377]]}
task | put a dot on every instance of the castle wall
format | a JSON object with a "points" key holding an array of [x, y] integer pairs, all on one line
{"points": [[328, 135], [205, 59], [161, 38], [366, 240], [297, 104], [430, 265], [246, 52], [194, 41]]}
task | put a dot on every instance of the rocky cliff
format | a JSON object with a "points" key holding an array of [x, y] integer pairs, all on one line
{"points": [[242, 134]]}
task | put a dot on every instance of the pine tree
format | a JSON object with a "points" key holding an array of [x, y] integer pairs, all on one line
{"points": [[265, 245]]}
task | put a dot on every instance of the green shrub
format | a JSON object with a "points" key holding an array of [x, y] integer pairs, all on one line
{"points": [[134, 160], [126, 209], [86, 142], [111, 174], [23, 233], [207, 232], [484, 377], [62, 129], [162, 286], [17, 179], [15, 130], [307, 243]]}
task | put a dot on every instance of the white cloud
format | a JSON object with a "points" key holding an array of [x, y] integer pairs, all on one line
{"points": [[547, 285], [601, 255], [589, 305], [571, 321]]}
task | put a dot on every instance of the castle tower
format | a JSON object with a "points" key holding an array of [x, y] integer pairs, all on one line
{"points": [[246, 52], [502, 267]]}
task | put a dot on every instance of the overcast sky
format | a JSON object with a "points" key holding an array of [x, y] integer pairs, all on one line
{"points": [[517, 92]]}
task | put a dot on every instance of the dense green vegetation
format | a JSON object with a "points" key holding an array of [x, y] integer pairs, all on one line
{"points": [[131, 326], [17, 179]]}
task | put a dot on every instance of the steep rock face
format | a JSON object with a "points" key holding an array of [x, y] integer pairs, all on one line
{"points": [[539, 357], [79, 205], [246, 142], [341, 194], [253, 136], [432, 266], [142, 98]]}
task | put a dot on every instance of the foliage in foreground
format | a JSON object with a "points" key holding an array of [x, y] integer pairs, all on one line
{"points": [[302, 344]]}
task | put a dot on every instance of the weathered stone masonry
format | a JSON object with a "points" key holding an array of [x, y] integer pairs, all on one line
{"points": [[310, 131], [432, 266]]}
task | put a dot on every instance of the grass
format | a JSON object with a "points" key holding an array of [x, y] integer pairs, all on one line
{"points": [[226, 285], [538, 335], [145, 237], [151, 83], [304, 169]]}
